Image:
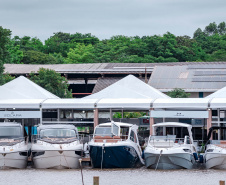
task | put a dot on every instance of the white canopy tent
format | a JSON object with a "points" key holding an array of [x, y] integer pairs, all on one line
{"points": [[181, 103], [24, 88], [128, 87], [10, 94], [20, 103], [221, 93], [218, 103], [69, 103], [125, 103]]}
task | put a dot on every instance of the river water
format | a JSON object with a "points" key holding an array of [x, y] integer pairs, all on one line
{"points": [[141, 176]]}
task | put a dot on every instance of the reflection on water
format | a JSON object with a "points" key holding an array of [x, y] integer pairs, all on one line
{"points": [[112, 177]]}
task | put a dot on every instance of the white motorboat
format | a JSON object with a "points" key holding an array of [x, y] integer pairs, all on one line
{"points": [[115, 145], [169, 151], [215, 154], [57, 146], [13, 146]]}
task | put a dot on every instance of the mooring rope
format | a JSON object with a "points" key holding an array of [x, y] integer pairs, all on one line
{"points": [[80, 161], [158, 160], [102, 156]]}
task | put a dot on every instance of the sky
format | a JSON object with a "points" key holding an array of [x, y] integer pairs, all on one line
{"points": [[107, 18]]}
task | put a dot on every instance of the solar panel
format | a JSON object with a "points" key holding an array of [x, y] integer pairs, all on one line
{"points": [[208, 66], [209, 73]]}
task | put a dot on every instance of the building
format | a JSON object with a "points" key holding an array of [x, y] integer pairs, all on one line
{"points": [[198, 78]]}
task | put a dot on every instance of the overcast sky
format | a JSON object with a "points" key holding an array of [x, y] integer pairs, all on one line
{"points": [[106, 18]]}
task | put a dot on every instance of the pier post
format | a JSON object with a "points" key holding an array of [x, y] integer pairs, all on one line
{"points": [[95, 180], [222, 182]]}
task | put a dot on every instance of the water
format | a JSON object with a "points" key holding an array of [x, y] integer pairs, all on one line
{"points": [[140, 176]]}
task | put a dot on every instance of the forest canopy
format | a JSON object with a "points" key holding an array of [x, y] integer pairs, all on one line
{"points": [[65, 48]]}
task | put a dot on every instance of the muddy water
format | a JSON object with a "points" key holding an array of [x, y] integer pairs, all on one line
{"points": [[140, 176]]}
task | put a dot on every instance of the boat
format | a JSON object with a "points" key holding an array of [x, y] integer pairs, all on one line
{"points": [[56, 146], [215, 153], [13, 146], [175, 151], [115, 145]]}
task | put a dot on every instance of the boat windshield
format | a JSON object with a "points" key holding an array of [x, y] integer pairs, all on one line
{"points": [[10, 132], [58, 133], [103, 131], [163, 138], [106, 131]]}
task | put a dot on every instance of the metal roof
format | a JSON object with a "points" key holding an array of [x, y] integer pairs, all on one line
{"points": [[191, 78], [98, 68]]}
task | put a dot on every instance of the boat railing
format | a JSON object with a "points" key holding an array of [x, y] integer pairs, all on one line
{"points": [[107, 138], [167, 141], [56, 139], [13, 141]]}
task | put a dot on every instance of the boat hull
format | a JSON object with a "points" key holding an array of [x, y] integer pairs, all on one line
{"points": [[13, 160], [114, 157], [215, 160], [169, 161], [56, 159]]}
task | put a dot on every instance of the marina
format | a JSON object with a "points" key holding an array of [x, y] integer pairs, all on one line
{"points": [[64, 135]]}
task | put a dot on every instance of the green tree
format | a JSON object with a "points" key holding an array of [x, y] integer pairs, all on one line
{"points": [[178, 93], [52, 81], [16, 55], [129, 114], [4, 53], [28, 43], [81, 54], [61, 42], [7, 78], [37, 57]]}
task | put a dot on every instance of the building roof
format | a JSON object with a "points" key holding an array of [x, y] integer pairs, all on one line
{"points": [[97, 68], [128, 87], [24, 88], [207, 77]]}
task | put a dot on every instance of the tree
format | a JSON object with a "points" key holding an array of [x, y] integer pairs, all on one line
{"points": [[81, 54], [7, 78], [28, 43], [178, 93], [52, 82], [4, 54], [36, 57]]}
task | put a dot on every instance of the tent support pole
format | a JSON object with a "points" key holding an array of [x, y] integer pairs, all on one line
{"points": [[151, 122], [218, 123], [110, 114], [209, 121], [58, 115], [96, 117]]}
